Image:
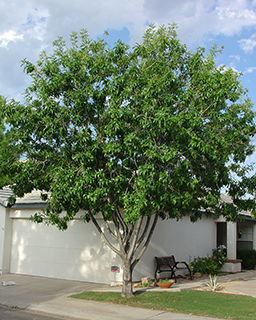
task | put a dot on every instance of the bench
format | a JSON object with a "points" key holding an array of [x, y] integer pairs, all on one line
{"points": [[169, 264]]}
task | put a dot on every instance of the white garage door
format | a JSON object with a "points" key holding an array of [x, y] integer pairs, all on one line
{"points": [[76, 254]]}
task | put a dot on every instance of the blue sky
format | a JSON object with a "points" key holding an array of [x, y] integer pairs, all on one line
{"points": [[27, 27]]}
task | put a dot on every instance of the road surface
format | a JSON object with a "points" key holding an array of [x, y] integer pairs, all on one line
{"points": [[9, 313]]}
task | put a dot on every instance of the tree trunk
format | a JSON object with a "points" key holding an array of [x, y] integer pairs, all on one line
{"points": [[127, 291]]}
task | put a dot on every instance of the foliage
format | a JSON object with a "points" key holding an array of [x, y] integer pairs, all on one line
{"points": [[220, 256], [146, 284], [164, 280], [213, 285], [204, 265], [210, 265], [248, 257], [6, 153], [134, 133], [208, 304]]}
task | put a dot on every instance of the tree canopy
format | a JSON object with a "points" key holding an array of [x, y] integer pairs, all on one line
{"points": [[6, 152], [133, 133]]}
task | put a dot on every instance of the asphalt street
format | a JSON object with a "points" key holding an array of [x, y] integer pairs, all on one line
{"points": [[8, 313]]}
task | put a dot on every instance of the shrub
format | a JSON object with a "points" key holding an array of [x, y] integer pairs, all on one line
{"points": [[210, 265], [204, 265], [220, 256], [248, 257]]}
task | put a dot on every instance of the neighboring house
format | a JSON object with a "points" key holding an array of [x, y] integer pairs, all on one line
{"points": [[80, 254]]}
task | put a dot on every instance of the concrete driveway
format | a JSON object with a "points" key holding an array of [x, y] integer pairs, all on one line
{"points": [[31, 290]]}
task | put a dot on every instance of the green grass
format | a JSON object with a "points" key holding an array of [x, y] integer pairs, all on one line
{"points": [[199, 303]]}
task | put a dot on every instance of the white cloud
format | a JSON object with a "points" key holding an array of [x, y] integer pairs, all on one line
{"points": [[47, 19], [248, 45], [96, 16], [200, 17], [8, 36], [36, 22], [235, 57], [233, 61], [250, 70], [235, 16], [27, 21], [32, 25]]}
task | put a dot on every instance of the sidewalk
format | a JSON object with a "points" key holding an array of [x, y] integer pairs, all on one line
{"points": [[51, 296]]}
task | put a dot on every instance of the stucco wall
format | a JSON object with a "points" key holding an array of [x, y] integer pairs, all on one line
{"points": [[80, 254], [182, 239], [2, 232], [5, 239]]}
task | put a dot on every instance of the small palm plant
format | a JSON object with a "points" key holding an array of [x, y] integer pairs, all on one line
{"points": [[213, 285]]}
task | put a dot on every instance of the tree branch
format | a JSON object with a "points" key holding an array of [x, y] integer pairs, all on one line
{"points": [[102, 234], [135, 238], [137, 259], [108, 227], [121, 220], [143, 234], [129, 234]]}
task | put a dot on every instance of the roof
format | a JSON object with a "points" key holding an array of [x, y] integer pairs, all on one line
{"points": [[228, 199], [32, 199], [5, 193]]}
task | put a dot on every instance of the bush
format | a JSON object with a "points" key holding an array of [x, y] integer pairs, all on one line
{"points": [[248, 257], [210, 265], [204, 266], [220, 256]]}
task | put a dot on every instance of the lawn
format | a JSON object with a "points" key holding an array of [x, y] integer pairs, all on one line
{"points": [[225, 306]]}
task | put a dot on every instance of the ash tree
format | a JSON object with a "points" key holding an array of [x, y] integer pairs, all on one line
{"points": [[133, 135]]}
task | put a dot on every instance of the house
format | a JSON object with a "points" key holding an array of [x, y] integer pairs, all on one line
{"points": [[80, 254]]}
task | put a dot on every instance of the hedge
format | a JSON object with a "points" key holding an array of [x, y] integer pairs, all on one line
{"points": [[249, 258]]}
